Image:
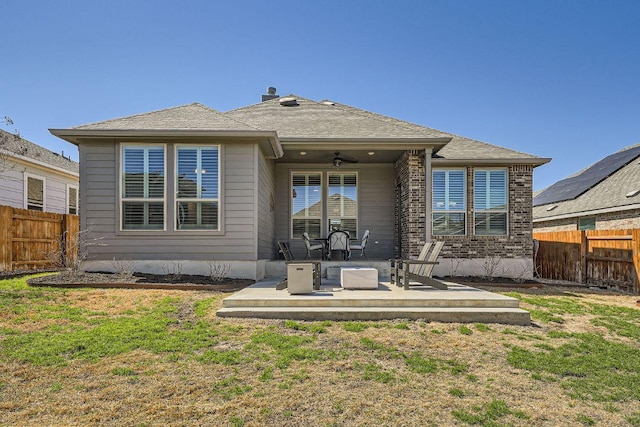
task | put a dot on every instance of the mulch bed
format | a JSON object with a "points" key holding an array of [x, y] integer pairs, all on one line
{"points": [[497, 282], [67, 279]]}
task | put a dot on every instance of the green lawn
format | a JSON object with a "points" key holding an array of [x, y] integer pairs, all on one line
{"points": [[149, 357]]}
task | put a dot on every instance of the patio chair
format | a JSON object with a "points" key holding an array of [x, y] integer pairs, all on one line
{"points": [[312, 246], [338, 241], [418, 270], [288, 257], [361, 245]]}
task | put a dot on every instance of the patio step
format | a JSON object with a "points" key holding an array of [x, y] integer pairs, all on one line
{"points": [[459, 303], [359, 299], [512, 316]]}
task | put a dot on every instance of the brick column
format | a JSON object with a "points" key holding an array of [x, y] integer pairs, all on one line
{"points": [[410, 174]]}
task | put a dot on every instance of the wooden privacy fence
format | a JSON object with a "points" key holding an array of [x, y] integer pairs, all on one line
{"points": [[31, 240], [604, 258]]}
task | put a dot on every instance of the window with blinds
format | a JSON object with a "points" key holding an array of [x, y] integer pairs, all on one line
{"points": [[306, 204], [143, 187], [342, 202], [72, 200], [448, 202], [34, 193], [490, 202], [198, 188]]}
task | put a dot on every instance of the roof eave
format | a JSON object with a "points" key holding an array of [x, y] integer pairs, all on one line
{"points": [[534, 161], [45, 165], [365, 143], [268, 139], [587, 213]]}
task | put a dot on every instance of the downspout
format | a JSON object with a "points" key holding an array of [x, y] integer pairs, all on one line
{"points": [[427, 191]]}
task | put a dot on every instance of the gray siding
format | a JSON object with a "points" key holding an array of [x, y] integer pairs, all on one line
{"points": [[12, 186], [375, 205], [266, 207], [99, 210]]}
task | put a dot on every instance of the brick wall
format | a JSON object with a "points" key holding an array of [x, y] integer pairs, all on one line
{"points": [[518, 243], [409, 170]]}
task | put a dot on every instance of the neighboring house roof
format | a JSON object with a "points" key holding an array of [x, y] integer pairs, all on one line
{"points": [[27, 150], [191, 116], [619, 191]]}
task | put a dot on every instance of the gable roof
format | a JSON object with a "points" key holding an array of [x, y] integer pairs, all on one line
{"points": [[191, 116], [609, 194], [294, 119], [22, 148]]}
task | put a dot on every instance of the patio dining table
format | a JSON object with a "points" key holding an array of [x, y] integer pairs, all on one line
{"points": [[326, 251]]}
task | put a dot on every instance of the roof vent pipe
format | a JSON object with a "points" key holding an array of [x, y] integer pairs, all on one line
{"points": [[271, 94]]}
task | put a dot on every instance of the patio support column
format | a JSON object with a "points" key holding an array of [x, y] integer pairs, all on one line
{"points": [[412, 210], [427, 194]]}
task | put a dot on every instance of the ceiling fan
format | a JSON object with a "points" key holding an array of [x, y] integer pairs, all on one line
{"points": [[338, 160]]}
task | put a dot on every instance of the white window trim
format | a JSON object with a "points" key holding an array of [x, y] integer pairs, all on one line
{"points": [[505, 210], [322, 198], [326, 201], [123, 145], [28, 175], [176, 199], [464, 211], [69, 187]]}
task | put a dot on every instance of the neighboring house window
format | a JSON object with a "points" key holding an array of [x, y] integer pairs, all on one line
{"points": [[72, 200], [449, 207], [34, 192], [342, 202], [198, 188], [306, 204], [143, 187], [587, 223], [490, 202]]}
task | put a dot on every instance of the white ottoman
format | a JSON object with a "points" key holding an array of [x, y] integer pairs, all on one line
{"points": [[359, 278]]}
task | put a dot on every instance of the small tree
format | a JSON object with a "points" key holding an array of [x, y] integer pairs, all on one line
{"points": [[79, 245], [491, 267], [218, 271]]}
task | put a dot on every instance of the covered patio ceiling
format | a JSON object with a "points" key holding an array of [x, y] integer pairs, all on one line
{"points": [[326, 156]]}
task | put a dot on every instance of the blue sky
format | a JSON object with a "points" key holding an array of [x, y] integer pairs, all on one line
{"points": [[552, 78]]}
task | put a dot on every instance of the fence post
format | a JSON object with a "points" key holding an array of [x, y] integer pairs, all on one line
{"points": [[635, 245], [6, 237], [584, 249], [70, 239]]}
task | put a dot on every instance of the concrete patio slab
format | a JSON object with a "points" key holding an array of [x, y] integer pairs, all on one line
{"points": [[460, 303]]}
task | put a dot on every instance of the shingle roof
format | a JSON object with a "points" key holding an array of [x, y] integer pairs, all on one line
{"points": [[308, 119], [330, 119], [191, 116], [24, 148], [609, 193], [312, 119], [465, 148]]}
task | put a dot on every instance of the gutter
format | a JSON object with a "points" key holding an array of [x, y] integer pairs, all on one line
{"points": [[591, 212], [434, 144], [535, 161], [74, 136]]}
